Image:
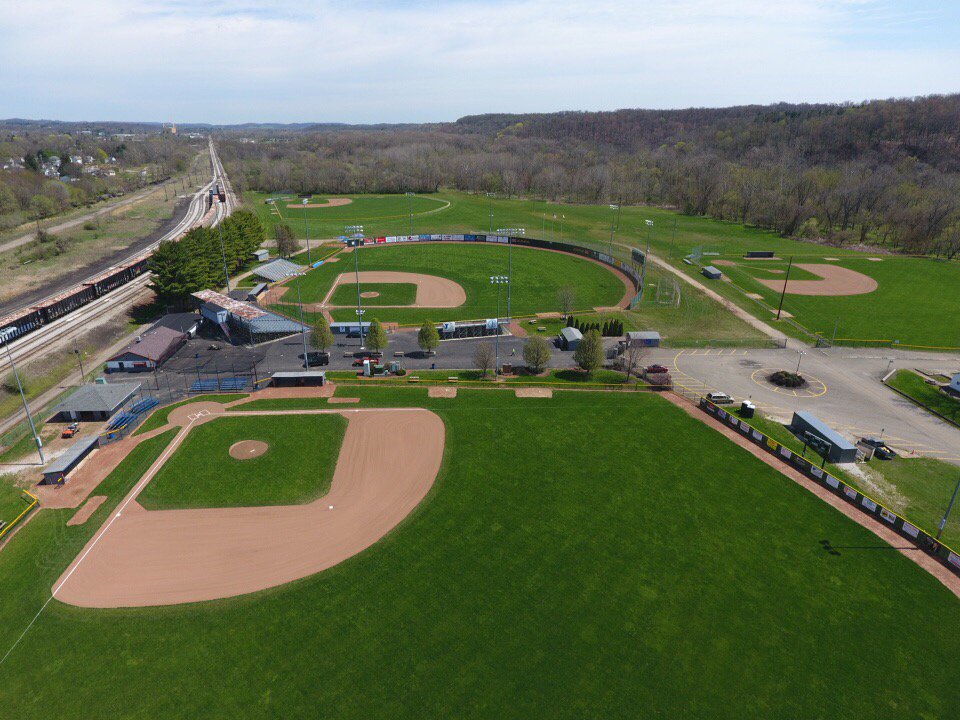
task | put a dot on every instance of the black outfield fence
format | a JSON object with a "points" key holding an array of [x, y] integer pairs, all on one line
{"points": [[922, 539]]}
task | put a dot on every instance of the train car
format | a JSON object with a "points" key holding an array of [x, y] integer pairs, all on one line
{"points": [[66, 302], [21, 322]]}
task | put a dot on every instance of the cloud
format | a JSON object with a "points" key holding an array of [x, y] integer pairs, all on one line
{"points": [[394, 61]]}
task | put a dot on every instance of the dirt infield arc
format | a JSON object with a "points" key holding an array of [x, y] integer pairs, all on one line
{"points": [[388, 462], [835, 280], [433, 291]]}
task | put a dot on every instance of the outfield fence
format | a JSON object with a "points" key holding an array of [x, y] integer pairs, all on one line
{"points": [[32, 503], [922, 539]]}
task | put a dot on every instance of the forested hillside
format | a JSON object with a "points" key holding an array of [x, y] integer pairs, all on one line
{"points": [[882, 173]]}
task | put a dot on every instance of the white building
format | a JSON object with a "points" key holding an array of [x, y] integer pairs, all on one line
{"points": [[954, 386]]}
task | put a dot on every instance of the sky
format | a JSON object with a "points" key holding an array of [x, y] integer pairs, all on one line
{"points": [[395, 61]]}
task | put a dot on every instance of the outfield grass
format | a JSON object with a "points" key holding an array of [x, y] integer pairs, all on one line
{"points": [[12, 502], [161, 416], [537, 275], [911, 304], [927, 396], [331, 221], [916, 488], [388, 294], [201, 472], [590, 555]]}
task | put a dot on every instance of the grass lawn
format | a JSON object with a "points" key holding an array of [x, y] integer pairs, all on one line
{"points": [[201, 472], [537, 275], [161, 416], [916, 488], [325, 222], [634, 576], [917, 284], [12, 502], [914, 386], [387, 294]]}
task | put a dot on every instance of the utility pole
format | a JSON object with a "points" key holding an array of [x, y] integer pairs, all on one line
{"points": [[5, 335], [510, 232], [785, 281], [646, 259], [410, 210], [80, 360]]}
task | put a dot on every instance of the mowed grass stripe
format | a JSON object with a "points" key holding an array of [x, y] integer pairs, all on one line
{"points": [[594, 554]]}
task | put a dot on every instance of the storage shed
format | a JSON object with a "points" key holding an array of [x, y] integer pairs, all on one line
{"points": [[569, 338], [643, 338], [58, 470], [261, 255], [711, 273], [841, 450]]}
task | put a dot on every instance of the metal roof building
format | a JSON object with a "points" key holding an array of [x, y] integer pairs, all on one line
{"points": [[569, 338], [97, 401], [711, 272], [278, 269], [57, 470], [644, 338], [243, 321], [148, 351], [841, 449]]}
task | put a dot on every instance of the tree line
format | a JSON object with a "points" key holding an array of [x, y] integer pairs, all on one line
{"points": [[196, 261], [881, 173]]}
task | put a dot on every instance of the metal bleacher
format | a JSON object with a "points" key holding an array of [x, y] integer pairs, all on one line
{"points": [[226, 384], [128, 416]]}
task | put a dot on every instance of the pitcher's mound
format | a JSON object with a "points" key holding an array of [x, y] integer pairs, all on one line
{"points": [[369, 294], [248, 449]]}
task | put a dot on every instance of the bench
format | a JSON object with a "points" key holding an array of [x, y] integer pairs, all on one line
{"points": [[452, 378], [398, 353], [413, 378]]}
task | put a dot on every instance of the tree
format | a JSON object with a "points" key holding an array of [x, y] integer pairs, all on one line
{"points": [[633, 355], [589, 353], [320, 337], [484, 357], [377, 337], [428, 338], [567, 299], [287, 244], [536, 353]]}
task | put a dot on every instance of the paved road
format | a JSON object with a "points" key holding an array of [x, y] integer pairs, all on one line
{"points": [[845, 390]]}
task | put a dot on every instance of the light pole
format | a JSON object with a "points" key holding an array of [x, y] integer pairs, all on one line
{"points": [[615, 208], [5, 336], [497, 280], [410, 210], [800, 354], [356, 232], [303, 327], [223, 255], [306, 231], [510, 233], [643, 272], [946, 515], [80, 360], [490, 207]]}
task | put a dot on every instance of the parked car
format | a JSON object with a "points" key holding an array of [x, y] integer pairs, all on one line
{"points": [[719, 398], [315, 359], [360, 360], [70, 430], [880, 449], [655, 369]]}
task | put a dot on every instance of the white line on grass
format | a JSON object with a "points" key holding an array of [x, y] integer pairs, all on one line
{"points": [[147, 477]]}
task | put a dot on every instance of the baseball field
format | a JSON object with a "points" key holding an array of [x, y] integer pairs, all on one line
{"points": [[923, 286], [560, 540]]}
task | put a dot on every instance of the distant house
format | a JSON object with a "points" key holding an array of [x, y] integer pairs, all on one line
{"points": [[148, 351], [76, 159]]}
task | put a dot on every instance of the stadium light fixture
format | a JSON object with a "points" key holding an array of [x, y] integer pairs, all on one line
{"points": [[306, 231], [498, 280], [510, 233], [6, 335]]}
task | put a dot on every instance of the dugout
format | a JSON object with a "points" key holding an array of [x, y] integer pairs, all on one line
{"points": [[299, 378], [58, 470], [711, 273]]}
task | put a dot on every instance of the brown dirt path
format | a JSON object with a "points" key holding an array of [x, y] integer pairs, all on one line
{"points": [[388, 463], [88, 509], [836, 280], [951, 581]]}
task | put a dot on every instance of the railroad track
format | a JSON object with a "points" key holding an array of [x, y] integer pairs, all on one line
{"points": [[74, 323]]}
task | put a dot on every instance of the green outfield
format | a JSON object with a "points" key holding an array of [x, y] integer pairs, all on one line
{"points": [[537, 275], [928, 396], [202, 473], [385, 294], [591, 535], [307, 221], [910, 304]]}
